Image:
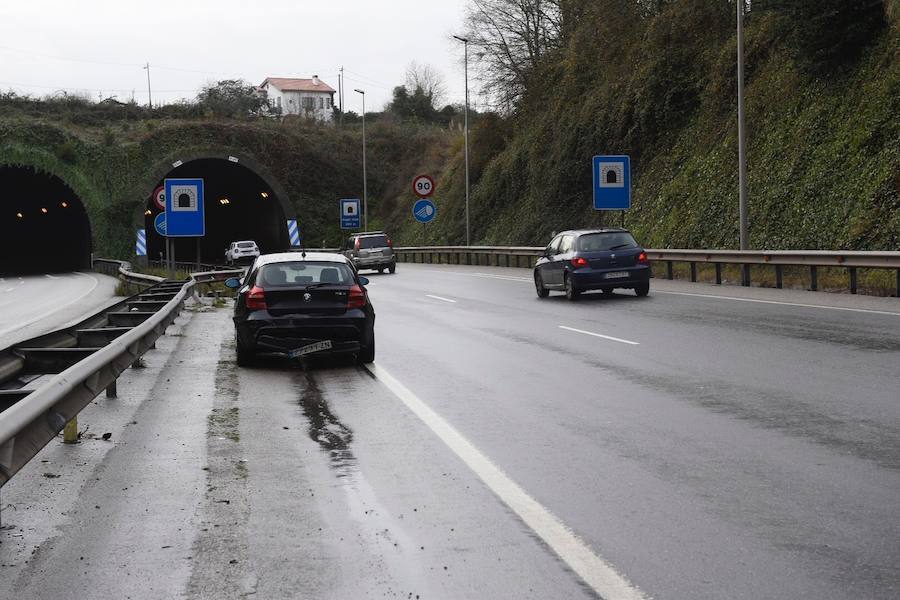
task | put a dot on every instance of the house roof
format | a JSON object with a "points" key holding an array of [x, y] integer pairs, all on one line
{"points": [[298, 85]]}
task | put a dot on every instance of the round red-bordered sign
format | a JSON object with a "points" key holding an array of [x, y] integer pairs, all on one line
{"points": [[423, 186], [159, 197]]}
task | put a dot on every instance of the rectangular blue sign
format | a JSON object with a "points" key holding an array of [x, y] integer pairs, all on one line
{"points": [[185, 208], [612, 182], [350, 213]]}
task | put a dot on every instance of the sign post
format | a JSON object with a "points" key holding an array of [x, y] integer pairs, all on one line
{"points": [[612, 183]]}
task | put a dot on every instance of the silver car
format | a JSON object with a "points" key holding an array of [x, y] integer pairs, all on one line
{"points": [[371, 250]]}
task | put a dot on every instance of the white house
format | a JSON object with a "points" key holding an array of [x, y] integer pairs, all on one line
{"points": [[312, 98]]}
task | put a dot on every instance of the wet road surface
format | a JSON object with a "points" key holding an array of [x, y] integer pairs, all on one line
{"points": [[501, 447]]}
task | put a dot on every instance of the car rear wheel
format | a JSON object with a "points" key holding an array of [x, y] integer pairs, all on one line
{"points": [[571, 291], [392, 269], [366, 354], [245, 356], [642, 289], [542, 292]]}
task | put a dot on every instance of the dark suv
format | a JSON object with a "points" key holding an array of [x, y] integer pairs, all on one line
{"points": [[371, 250], [594, 259]]}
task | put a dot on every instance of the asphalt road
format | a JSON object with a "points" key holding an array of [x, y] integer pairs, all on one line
{"points": [[702, 442], [31, 305]]}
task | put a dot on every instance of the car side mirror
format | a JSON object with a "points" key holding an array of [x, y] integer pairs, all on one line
{"points": [[363, 281], [233, 283]]}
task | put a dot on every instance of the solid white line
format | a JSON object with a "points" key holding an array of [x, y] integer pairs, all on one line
{"points": [[596, 573], [58, 308], [600, 335], [859, 310], [440, 298]]}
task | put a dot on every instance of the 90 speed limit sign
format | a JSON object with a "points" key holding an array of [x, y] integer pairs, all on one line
{"points": [[423, 186], [159, 197]]}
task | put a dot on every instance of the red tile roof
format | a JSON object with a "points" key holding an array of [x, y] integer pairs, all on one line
{"points": [[297, 85]]}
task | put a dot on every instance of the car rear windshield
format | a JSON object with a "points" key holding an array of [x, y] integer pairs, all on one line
{"points": [[615, 240], [289, 274], [373, 241], [246, 244]]}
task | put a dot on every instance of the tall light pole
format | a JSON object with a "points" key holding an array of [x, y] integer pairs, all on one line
{"points": [[466, 46], [742, 140], [365, 189], [149, 95]]}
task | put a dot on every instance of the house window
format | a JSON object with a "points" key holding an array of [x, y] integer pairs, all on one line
{"points": [[309, 103], [327, 102], [278, 101], [321, 103]]}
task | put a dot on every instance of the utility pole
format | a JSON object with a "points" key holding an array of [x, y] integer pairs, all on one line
{"points": [[149, 94], [466, 46], [365, 190], [341, 92], [742, 141]]}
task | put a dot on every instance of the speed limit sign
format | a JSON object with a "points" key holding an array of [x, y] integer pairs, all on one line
{"points": [[423, 186], [159, 197]]}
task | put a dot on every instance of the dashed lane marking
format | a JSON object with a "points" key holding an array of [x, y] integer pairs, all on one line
{"points": [[600, 335], [442, 299], [598, 574]]}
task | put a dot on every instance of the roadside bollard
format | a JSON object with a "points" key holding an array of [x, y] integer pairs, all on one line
{"points": [[70, 432], [111, 390]]}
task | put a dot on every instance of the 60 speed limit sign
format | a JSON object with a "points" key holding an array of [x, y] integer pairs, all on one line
{"points": [[423, 186]]}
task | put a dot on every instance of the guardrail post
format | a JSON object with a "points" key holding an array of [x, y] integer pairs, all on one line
{"points": [[669, 273], [745, 275], [111, 390], [852, 280], [693, 272], [70, 431], [779, 277], [813, 278], [719, 273]]}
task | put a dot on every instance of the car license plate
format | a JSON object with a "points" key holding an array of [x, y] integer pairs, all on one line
{"points": [[615, 275], [317, 347]]}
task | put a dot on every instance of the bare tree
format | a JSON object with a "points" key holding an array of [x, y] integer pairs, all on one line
{"points": [[509, 38], [428, 79]]}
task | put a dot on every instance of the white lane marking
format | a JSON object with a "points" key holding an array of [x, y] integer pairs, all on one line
{"points": [[95, 281], [10, 289], [441, 298], [781, 303], [492, 276], [48, 275], [600, 335], [596, 572]]}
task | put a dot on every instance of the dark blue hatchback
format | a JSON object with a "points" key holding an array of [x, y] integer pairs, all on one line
{"points": [[595, 259]]}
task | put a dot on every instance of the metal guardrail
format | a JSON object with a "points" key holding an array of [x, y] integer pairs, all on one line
{"points": [[84, 360], [515, 256]]}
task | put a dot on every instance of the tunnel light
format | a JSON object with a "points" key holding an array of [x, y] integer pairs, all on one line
{"points": [[44, 210], [224, 201], [148, 212], [20, 215], [64, 204], [264, 195]]}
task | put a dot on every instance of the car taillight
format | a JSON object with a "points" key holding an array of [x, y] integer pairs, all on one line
{"points": [[256, 298], [642, 257], [390, 243], [579, 262], [356, 244], [357, 297]]}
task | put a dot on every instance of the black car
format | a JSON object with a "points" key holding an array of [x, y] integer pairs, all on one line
{"points": [[594, 259], [296, 304]]}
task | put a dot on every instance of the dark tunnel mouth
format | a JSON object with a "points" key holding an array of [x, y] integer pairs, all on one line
{"points": [[43, 224], [239, 205]]}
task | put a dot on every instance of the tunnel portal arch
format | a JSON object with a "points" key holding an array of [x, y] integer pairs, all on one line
{"points": [[44, 223], [242, 202]]}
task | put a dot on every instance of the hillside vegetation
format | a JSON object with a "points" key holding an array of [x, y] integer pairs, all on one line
{"points": [[657, 81]]}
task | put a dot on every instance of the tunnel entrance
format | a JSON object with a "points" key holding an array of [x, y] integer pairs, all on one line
{"points": [[43, 224], [239, 205]]}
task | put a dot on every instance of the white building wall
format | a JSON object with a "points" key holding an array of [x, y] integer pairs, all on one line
{"points": [[295, 103]]}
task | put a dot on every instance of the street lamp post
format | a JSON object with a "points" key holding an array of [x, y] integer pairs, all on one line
{"points": [[466, 46], [742, 142], [365, 189]]}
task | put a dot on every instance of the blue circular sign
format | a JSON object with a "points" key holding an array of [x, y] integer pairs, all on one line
{"points": [[424, 210], [159, 223]]}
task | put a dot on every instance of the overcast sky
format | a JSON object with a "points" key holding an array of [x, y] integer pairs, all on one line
{"points": [[100, 46]]}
